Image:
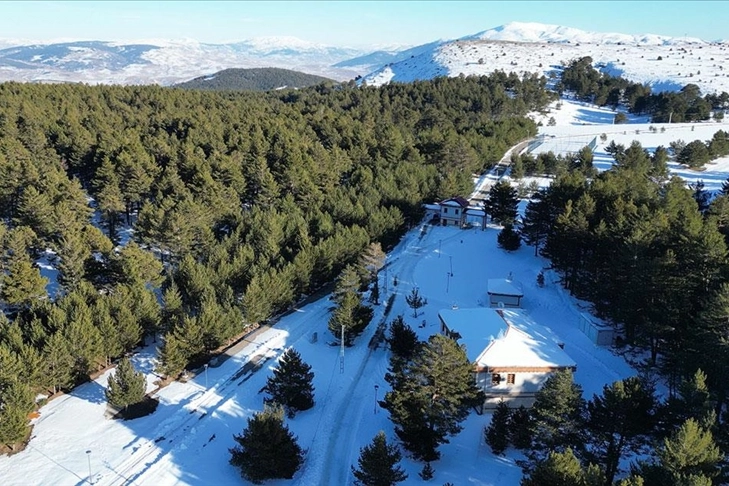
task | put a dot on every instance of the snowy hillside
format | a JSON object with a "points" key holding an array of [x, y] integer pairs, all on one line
{"points": [[667, 64]]}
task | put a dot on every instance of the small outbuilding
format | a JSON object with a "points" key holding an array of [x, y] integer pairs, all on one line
{"points": [[504, 292], [598, 332], [512, 355]]}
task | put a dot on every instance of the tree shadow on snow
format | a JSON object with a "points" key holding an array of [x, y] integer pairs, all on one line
{"points": [[91, 392]]}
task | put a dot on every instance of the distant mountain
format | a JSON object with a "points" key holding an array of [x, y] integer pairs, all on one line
{"points": [[664, 63], [167, 62], [255, 79], [534, 32]]}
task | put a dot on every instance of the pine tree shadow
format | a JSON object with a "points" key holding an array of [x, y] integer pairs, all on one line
{"points": [[92, 392]]}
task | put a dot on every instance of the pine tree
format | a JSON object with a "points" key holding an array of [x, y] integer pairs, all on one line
{"points": [[619, 421], [126, 387], [557, 414], [291, 384], [402, 339], [172, 356], [372, 260], [508, 238], [558, 469], [502, 202], [432, 396], [378, 464], [16, 401], [690, 453], [520, 430], [266, 449], [23, 284], [497, 433], [415, 301], [537, 220], [351, 315]]}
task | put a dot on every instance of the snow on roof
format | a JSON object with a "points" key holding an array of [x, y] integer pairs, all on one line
{"points": [[499, 338], [504, 286], [432, 207], [475, 212]]}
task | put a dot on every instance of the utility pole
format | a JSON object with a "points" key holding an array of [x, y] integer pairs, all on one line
{"points": [[88, 455], [376, 388]]}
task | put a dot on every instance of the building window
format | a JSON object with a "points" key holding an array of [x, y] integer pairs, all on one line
{"points": [[456, 211], [445, 210], [510, 379], [495, 379]]}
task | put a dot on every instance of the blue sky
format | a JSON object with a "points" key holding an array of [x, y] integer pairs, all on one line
{"points": [[351, 23]]}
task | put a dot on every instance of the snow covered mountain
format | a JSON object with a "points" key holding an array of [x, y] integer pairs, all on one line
{"points": [[165, 62], [665, 63]]}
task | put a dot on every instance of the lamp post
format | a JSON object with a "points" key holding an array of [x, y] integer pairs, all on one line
{"points": [[206, 375], [377, 387], [451, 260], [88, 456]]}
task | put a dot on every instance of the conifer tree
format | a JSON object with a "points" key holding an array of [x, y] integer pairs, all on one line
{"points": [[291, 384], [372, 260], [563, 469], [23, 283], [520, 430], [126, 387], [172, 356], [16, 401], [402, 339], [378, 464], [351, 315], [415, 301], [502, 202], [508, 238], [431, 398], [557, 414], [266, 449], [497, 433], [619, 421], [537, 221], [690, 453]]}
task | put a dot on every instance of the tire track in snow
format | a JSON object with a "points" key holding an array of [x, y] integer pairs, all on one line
{"points": [[174, 428]]}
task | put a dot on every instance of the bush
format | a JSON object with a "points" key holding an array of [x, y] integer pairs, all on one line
{"points": [[620, 118]]}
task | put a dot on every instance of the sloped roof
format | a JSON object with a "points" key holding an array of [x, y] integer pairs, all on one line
{"points": [[503, 286], [458, 200], [500, 338]]}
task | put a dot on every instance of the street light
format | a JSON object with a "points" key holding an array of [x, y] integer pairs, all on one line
{"points": [[88, 455], [377, 387], [206, 375]]}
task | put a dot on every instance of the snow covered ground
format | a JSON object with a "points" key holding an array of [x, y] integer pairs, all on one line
{"points": [[577, 124], [186, 440]]}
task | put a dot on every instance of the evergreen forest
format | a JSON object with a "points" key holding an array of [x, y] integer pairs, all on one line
{"points": [[241, 204]]}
